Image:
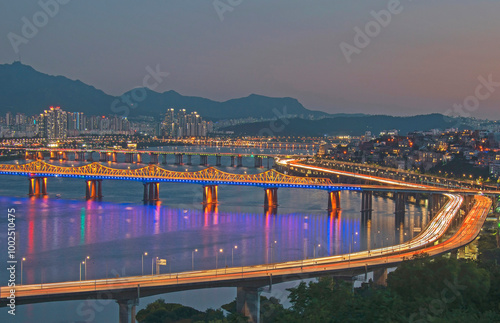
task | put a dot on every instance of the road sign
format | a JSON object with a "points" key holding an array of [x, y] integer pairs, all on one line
{"points": [[161, 262]]}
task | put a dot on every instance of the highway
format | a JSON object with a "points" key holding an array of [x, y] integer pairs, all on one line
{"points": [[425, 242]]}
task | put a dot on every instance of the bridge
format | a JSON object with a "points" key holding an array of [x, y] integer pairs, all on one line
{"points": [[250, 280], [445, 205], [137, 156]]}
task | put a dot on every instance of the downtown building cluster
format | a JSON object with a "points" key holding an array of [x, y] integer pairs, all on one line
{"points": [[182, 124], [422, 151], [58, 124]]}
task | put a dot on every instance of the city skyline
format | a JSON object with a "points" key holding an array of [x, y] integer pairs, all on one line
{"points": [[429, 57]]}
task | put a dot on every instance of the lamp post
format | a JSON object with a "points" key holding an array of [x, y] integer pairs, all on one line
{"points": [[232, 255], [192, 258], [152, 265], [22, 260], [314, 252], [217, 259], [81, 263], [85, 261], [142, 257]]}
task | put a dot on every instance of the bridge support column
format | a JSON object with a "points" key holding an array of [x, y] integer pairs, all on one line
{"points": [[37, 186], [126, 310], [178, 159], [129, 158], [164, 159], [139, 158], [380, 276], [333, 201], [115, 157], [400, 199], [203, 160], [218, 160], [268, 162], [233, 164], [154, 158], [40, 155], [210, 194], [258, 162], [65, 156], [366, 206], [103, 157], [271, 197], [240, 161], [54, 155], [468, 203], [248, 303], [151, 192], [90, 158], [189, 161], [93, 189], [434, 204]]}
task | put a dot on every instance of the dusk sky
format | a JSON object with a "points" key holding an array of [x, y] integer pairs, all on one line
{"points": [[428, 57]]}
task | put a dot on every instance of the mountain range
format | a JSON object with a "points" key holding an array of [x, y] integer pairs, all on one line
{"points": [[25, 90], [28, 91]]}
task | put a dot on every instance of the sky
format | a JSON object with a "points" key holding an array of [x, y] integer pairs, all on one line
{"points": [[378, 56]]}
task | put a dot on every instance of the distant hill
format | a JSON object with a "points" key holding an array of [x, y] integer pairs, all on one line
{"points": [[26, 90], [344, 125]]}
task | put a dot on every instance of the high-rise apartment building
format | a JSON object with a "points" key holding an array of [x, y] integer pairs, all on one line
{"points": [[53, 123]]}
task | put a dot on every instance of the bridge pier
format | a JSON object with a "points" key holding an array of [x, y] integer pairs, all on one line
{"points": [[203, 160], [258, 161], [268, 162], [239, 159], [39, 155], [218, 160], [54, 155], [178, 159], [90, 158], [126, 310], [139, 158], [435, 204], [37, 186], [164, 159], [151, 192], [154, 158], [129, 158], [270, 197], [210, 194], [65, 156], [115, 157], [400, 199], [189, 161], [233, 158], [103, 157], [334, 201], [248, 303], [380, 276], [366, 206], [93, 189]]}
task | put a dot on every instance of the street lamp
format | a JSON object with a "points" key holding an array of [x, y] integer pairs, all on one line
{"points": [[314, 252], [142, 257], [192, 258], [152, 265], [22, 260], [81, 263], [232, 255], [85, 261], [217, 259]]}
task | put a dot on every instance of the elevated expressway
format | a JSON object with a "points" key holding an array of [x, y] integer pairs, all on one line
{"points": [[126, 291]]}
